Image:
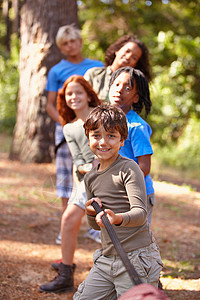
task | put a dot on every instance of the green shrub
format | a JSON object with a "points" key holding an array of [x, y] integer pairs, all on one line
{"points": [[185, 153], [9, 84]]}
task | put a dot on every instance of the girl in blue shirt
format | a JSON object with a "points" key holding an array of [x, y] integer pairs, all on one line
{"points": [[129, 90]]}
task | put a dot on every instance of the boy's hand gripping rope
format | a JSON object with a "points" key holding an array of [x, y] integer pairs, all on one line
{"points": [[120, 250]]}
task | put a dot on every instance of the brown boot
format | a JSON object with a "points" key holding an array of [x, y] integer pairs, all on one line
{"points": [[56, 265], [63, 282]]}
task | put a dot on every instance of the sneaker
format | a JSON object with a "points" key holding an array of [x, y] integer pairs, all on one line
{"points": [[94, 235], [58, 239]]}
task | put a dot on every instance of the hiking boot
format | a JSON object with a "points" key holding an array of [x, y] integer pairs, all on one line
{"points": [[56, 265], [63, 282]]}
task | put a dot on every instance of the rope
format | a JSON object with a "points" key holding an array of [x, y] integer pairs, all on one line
{"points": [[120, 250]]}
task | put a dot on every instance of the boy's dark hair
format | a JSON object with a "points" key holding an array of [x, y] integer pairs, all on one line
{"points": [[142, 64], [142, 87], [110, 117]]}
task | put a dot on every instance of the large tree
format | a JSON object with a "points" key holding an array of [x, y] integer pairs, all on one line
{"points": [[34, 130]]}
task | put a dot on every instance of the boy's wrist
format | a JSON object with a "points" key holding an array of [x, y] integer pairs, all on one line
{"points": [[90, 214], [119, 220]]}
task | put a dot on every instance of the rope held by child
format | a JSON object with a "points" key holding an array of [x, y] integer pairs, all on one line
{"points": [[120, 250]]}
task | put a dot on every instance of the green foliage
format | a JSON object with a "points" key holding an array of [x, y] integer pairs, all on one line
{"points": [[185, 154], [91, 47], [170, 30], [9, 82], [176, 106], [180, 269]]}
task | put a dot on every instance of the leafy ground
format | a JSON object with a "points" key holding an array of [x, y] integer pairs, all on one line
{"points": [[29, 223]]}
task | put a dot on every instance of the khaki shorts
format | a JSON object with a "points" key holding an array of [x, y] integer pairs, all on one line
{"points": [[151, 201], [108, 278]]}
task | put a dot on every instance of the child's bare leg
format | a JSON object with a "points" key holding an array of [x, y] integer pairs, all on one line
{"points": [[70, 225], [64, 203]]}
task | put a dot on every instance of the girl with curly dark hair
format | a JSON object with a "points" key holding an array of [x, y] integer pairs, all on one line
{"points": [[126, 51], [141, 58]]}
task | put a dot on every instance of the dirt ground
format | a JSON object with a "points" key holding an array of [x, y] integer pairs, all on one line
{"points": [[30, 219]]}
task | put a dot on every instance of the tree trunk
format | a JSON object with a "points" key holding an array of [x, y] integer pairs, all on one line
{"points": [[6, 9], [16, 20], [33, 139]]}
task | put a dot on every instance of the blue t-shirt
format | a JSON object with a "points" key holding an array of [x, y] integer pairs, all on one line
{"points": [[64, 69], [138, 143]]}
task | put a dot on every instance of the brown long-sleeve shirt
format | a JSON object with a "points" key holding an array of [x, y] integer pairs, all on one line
{"points": [[121, 188]]}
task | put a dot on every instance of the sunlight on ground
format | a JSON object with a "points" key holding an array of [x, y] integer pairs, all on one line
{"points": [[29, 251], [181, 284], [30, 218], [42, 252], [48, 253], [173, 189]]}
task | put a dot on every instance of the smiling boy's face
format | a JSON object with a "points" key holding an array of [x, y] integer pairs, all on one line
{"points": [[122, 94], [105, 145]]}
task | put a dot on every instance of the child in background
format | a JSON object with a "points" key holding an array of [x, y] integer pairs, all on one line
{"points": [[117, 184], [128, 50], [69, 42], [129, 90], [75, 101]]}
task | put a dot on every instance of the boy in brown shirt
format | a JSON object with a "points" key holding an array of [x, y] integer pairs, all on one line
{"points": [[117, 184]]}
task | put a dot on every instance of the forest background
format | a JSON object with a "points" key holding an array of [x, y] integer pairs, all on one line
{"points": [[170, 30]]}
